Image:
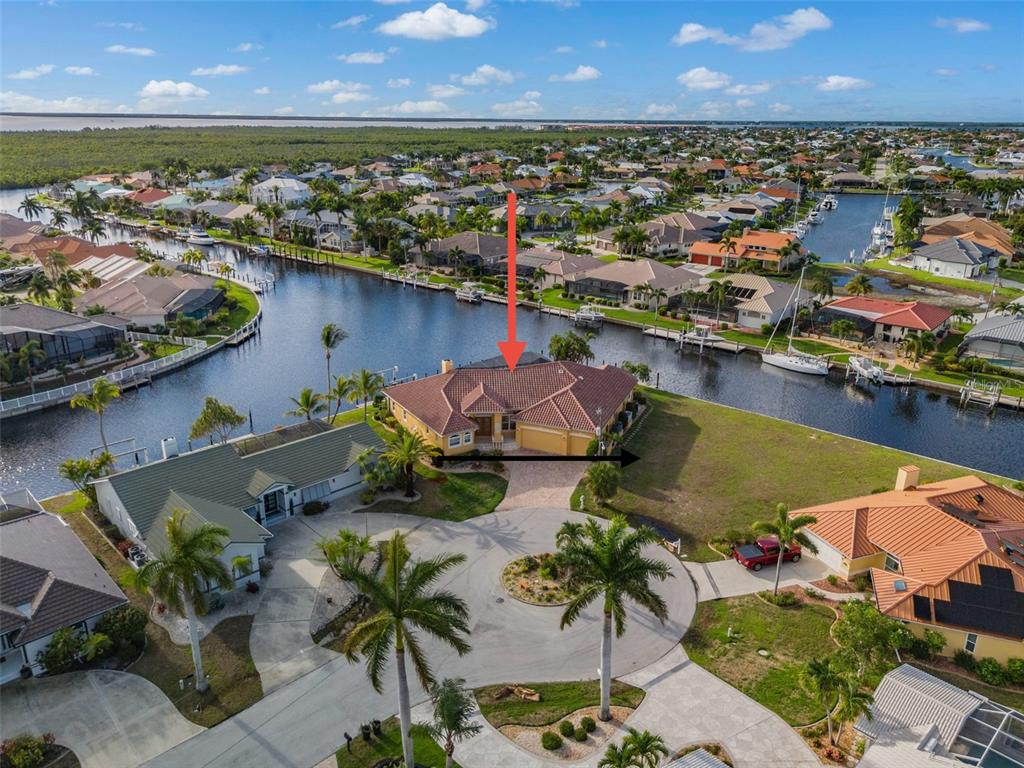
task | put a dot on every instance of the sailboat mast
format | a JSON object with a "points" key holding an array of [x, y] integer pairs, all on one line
{"points": [[796, 306]]}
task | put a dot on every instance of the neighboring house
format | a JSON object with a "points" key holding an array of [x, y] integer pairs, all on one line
{"points": [[998, 339], [247, 486], [74, 249], [779, 251], [630, 281], [527, 213], [850, 179], [946, 556], [755, 300], [65, 338], [15, 231], [150, 300], [981, 231], [278, 189], [920, 721], [48, 581], [149, 197], [954, 257], [484, 252], [416, 180], [559, 271], [329, 224], [884, 320], [667, 236], [552, 407]]}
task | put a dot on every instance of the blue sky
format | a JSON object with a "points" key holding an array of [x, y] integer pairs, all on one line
{"points": [[544, 59]]}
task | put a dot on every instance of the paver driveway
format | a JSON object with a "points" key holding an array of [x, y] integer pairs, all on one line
{"points": [[541, 484], [109, 719]]}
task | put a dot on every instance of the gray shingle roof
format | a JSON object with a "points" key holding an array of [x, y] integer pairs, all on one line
{"points": [[241, 528], [953, 250]]}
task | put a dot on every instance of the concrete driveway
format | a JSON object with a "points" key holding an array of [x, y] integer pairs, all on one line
{"points": [[727, 578], [302, 722], [541, 484], [108, 719]]}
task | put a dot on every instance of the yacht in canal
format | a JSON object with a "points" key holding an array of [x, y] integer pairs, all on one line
{"points": [[830, 203], [791, 359], [815, 217], [469, 292], [199, 236]]}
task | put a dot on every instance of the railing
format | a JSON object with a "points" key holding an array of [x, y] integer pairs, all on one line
{"points": [[181, 341]]}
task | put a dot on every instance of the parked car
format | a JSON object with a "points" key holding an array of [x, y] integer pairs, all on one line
{"points": [[765, 551]]}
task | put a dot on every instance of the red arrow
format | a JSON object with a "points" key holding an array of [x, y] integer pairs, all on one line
{"points": [[511, 349]]}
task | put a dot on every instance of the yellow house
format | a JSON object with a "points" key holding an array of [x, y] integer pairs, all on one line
{"points": [[947, 556], [551, 407]]}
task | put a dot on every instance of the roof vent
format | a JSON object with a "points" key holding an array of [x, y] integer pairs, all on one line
{"points": [[979, 498], [899, 585]]}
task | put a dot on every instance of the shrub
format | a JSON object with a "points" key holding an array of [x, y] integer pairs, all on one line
{"points": [[814, 593], [783, 599], [834, 754], [96, 646], [832, 579], [990, 671], [366, 497], [63, 651], [766, 329], [588, 724], [126, 628], [23, 751], [550, 740], [314, 507], [1015, 671], [965, 660], [549, 569], [566, 728], [862, 582], [580, 734]]}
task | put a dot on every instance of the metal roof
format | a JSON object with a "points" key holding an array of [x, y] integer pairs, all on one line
{"points": [[699, 758]]}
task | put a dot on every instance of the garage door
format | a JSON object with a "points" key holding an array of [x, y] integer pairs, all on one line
{"points": [[829, 556]]}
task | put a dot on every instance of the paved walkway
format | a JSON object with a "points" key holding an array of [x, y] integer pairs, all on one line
{"points": [[302, 722], [108, 719], [727, 578], [541, 484]]}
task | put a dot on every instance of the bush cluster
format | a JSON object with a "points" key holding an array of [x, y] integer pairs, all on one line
{"points": [[550, 740], [126, 628], [783, 599], [991, 671], [25, 750], [566, 728]]}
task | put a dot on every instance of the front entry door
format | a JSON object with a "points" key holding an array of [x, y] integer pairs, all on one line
{"points": [[485, 424]]}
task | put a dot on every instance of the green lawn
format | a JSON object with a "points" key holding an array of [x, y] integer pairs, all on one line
{"points": [[706, 468], [451, 496], [810, 346], [791, 636], [553, 298], [368, 754], [925, 278], [165, 350], [1012, 273], [556, 701], [248, 306]]}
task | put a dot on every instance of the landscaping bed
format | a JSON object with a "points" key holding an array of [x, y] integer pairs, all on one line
{"points": [[451, 496], [789, 636], [51, 754], [367, 754], [536, 579], [557, 700], [576, 741]]}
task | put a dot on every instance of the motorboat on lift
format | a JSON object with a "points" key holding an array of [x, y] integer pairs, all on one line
{"points": [[588, 316], [470, 293], [815, 217], [791, 359], [866, 369]]}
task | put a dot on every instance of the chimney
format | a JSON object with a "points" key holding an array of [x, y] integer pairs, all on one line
{"points": [[907, 478], [169, 446], [447, 366]]}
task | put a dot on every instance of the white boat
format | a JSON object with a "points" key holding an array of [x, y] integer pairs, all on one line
{"points": [[830, 203], [588, 314], [152, 225], [701, 334], [798, 230], [815, 217], [866, 369], [199, 236], [469, 292], [792, 360]]}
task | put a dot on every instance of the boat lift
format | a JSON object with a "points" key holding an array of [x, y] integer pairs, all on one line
{"points": [[985, 394]]}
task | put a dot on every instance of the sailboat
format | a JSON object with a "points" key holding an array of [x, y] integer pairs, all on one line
{"points": [[792, 360]]}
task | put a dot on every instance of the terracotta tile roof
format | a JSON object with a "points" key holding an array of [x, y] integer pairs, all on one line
{"points": [[151, 195], [915, 315], [560, 394]]}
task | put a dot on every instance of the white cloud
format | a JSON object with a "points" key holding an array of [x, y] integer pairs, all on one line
{"points": [[779, 108], [19, 102], [475, 5], [963, 26], [703, 79], [600, 43], [525, 106], [331, 86], [264, 91], [744, 103], [564, 49], [399, 82], [32, 73], [660, 110], [163, 92], [247, 47], [945, 72], [220, 69], [133, 26], [352, 95], [749, 89], [843, 83], [130, 50], [485, 74], [581, 74], [80, 71], [713, 109], [410, 108], [284, 111], [351, 21], [438, 22], [445, 91], [780, 32], [363, 57]]}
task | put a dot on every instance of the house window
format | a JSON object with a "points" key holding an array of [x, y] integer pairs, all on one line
{"points": [[970, 642], [454, 441], [467, 438], [891, 563], [5, 642]]}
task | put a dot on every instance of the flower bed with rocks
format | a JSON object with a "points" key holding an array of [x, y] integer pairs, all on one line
{"points": [[537, 580]]}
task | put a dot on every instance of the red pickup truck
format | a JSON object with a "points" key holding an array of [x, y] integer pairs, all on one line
{"points": [[764, 551]]}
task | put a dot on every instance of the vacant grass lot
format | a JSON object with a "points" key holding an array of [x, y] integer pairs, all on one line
{"points": [[556, 701], [810, 346], [368, 754], [451, 496], [706, 468], [792, 636]]}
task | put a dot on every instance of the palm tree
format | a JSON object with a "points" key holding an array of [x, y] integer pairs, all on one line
{"points": [[854, 701], [39, 288], [405, 603], [104, 391], [645, 749], [54, 262], [609, 564], [859, 285], [404, 451], [658, 294], [68, 280], [821, 679], [30, 207], [366, 385], [456, 257], [728, 245], [842, 328], [718, 292], [339, 393], [81, 205], [616, 757], [786, 530], [453, 716], [308, 404], [916, 345], [58, 218], [183, 571], [331, 335], [314, 208], [822, 285], [30, 354], [93, 229]]}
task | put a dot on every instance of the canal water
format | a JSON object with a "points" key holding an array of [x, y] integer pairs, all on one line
{"points": [[390, 325]]}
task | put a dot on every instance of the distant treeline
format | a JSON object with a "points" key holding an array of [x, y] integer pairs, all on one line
{"points": [[36, 158]]}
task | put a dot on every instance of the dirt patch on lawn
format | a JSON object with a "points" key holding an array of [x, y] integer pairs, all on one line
{"points": [[528, 737]]}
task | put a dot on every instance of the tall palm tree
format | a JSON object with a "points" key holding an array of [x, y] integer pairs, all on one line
{"points": [[453, 716], [103, 393], [30, 354], [854, 701], [718, 292], [340, 392], [842, 329], [39, 288], [93, 229], [366, 385], [916, 345], [821, 679], [58, 218], [31, 207], [859, 285], [457, 258], [404, 451], [331, 335], [822, 285], [308, 404], [183, 571], [786, 530], [645, 748], [405, 602], [81, 205], [616, 757], [609, 564], [658, 294], [68, 280], [315, 208], [54, 262]]}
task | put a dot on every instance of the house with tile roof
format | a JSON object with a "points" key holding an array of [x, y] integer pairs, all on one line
{"points": [[669, 235], [632, 281], [947, 556], [476, 249], [48, 581], [954, 257], [884, 320], [961, 225], [247, 485], [754, 300], [552, 407], [779, 251]]}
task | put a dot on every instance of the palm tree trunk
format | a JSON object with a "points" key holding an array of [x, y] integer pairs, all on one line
{"points": [[404, 714], [778, 569], [828, 719], [449, 756], [326, 391], [606, 668], [103, 436], [31, 382], [193, 638], [410, 478]]}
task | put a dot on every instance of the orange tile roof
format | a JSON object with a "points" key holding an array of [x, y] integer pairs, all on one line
{"points": [[915, 315], [982, 231]]}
